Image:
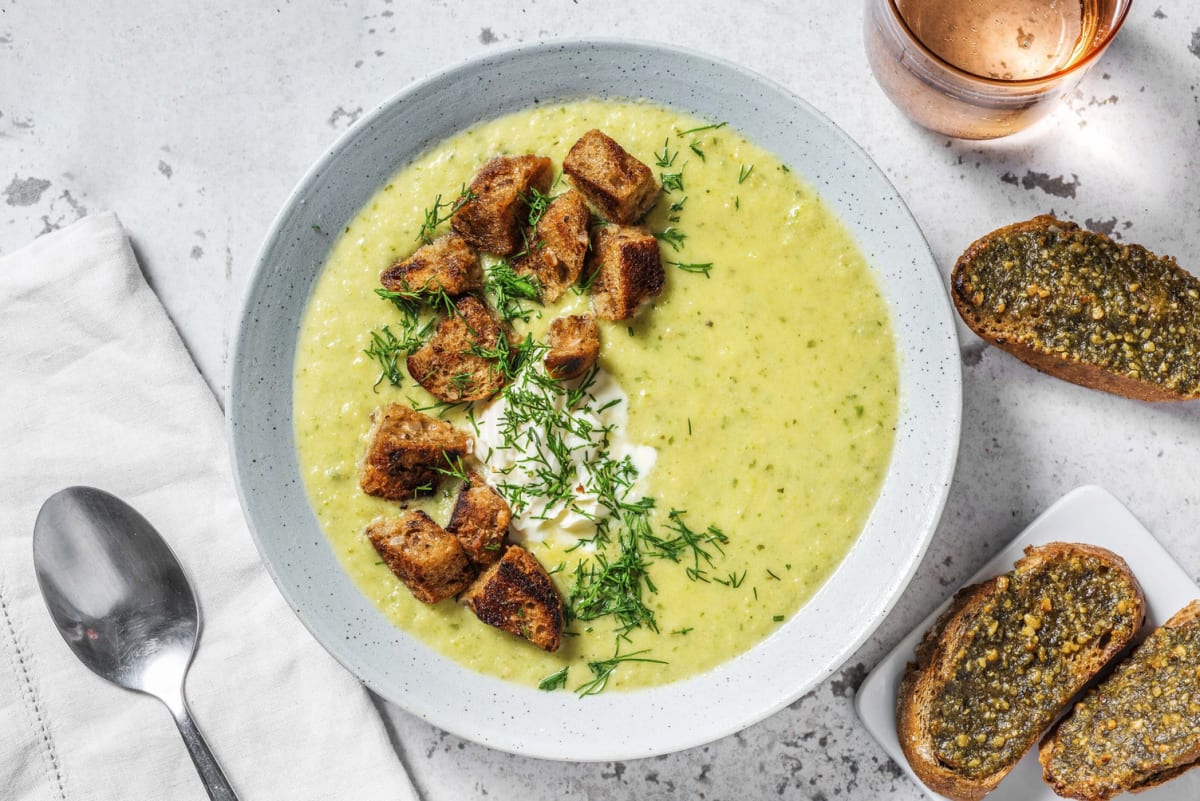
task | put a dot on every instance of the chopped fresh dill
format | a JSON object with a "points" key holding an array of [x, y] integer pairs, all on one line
{"points": [[538, 203], [672, 236], [712, 127], [672, 181], [744, 173], [409, 301], [772, 575], [677, 206], [555, 681], [705, 268], [509, 290], [778, 618], [386, 350], [603, 670], [683, 631], [695, 148], [454, 467], [732, 580], [666, 158], [434, 216]]}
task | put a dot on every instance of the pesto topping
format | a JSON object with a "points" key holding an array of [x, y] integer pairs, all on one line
{"points": [[1143, 721], [1017, 666], [1088, 298]]}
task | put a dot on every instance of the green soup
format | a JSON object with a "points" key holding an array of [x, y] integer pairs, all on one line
{"points": [[767, 387]]}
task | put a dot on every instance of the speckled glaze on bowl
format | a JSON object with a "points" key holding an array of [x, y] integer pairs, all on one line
{"points": [[614, 725]]}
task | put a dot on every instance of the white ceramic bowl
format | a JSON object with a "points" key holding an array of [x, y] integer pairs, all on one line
{"points": [[613, 725]]}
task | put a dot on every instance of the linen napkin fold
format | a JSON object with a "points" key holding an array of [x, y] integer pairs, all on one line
{"points": [[96, 388]]}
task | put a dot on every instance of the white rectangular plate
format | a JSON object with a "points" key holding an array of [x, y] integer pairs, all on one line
{"points": [[1087, 515]]}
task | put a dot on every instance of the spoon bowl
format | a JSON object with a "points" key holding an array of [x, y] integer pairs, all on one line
{"points": [[122, 603]]}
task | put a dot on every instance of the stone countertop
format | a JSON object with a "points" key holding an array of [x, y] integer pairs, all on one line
{"points": [[194, 122]]}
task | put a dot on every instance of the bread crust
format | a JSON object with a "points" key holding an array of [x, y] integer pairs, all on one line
{"points": [[935, 664], [1187, 616], [516, 594], [449, 367], [557, 248], [1015, 340], [620, 186], [480, 520], [574, 342], [628, 268], [496, 213], [405, 449], [425, 557], [447, 264]]}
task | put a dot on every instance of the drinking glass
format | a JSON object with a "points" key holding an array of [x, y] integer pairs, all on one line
{"points": [[980, 69]]}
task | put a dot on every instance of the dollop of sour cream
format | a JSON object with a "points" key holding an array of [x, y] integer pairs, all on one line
{"points": [[514, 461]]}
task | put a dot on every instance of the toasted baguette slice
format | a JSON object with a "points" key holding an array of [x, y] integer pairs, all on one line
{"points": [[1140, 727], [1006, 658], [1081, 307]]}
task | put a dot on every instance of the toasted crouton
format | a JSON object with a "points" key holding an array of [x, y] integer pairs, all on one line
{"points": [[429, 560], [574, 345], [480, 521], [620, 187], [448, 264], [492, 218], [517, 595], [404, 447], [450, 366], [557, 246], [628, 270]]}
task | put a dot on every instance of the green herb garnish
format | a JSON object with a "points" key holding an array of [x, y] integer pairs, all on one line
{"points": [[666, 158], [702, 128], [555, 681], [434, 216], [510, 288], [603, 670], [705, 268], [672, 181], [672, 236]]}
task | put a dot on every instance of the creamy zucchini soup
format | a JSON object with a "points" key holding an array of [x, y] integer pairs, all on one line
{"points": [[685, 494]]}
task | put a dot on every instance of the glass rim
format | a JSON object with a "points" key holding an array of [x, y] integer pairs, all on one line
{"points": [[1093, 54]]}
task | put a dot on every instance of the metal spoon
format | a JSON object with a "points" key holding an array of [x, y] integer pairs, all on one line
{"points": [[120, 599]]}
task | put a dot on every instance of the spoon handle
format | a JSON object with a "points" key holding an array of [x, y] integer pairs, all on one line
{"points": [[206, 764]]}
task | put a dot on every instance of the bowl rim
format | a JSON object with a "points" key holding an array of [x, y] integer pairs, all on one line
{"points": [[613, 750]]}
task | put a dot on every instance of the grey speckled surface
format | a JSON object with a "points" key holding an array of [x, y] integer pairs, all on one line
{"points": [[194, 124]]}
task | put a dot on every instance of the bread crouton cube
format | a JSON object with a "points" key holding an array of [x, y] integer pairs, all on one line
{"points": [[620, 187], [480, 521], [574, 346], [404, 447], [450, 365], [627, 268], [429, 560], [496, 212], [517, 595], [557, 247], [448, 264]]}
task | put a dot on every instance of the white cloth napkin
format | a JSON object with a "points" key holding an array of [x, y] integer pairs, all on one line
{"points": [[96, 388]]}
